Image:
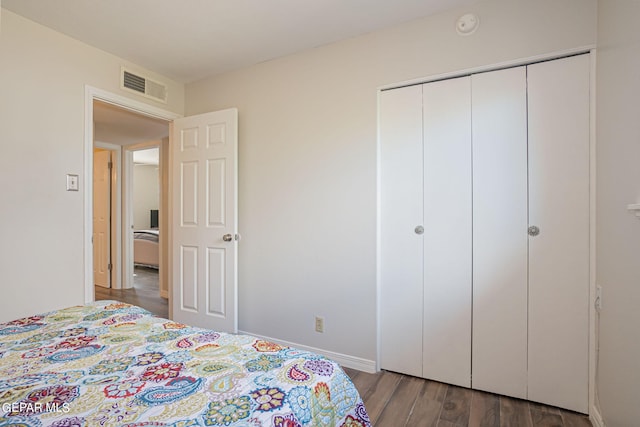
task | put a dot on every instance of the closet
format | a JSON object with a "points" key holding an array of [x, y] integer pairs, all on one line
{"points": [[484, 231]]}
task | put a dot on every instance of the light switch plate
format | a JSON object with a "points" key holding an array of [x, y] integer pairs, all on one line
{"points": [[72, 182]]}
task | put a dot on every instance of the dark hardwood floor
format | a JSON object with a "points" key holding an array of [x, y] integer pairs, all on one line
{"points": [[145, 292], [396, 400]]}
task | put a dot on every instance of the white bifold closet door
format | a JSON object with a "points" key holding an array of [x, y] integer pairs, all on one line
{"points": [[425, 312], [401, 205], [425, 239], [558, 357], [530, 290], [447, 231], [500, 231], [484, 231]]}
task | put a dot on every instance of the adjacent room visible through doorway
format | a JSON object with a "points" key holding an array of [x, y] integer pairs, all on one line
{"points": [[135, 265]]}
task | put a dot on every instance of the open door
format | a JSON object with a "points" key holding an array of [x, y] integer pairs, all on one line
{"points": [[102, 218], [204, 221]]}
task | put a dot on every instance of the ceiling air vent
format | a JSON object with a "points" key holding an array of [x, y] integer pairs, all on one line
{"points": [[144, 86]]}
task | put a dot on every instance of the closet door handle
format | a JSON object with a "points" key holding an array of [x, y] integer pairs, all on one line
{"points": [[419, 229], [534, 231]]}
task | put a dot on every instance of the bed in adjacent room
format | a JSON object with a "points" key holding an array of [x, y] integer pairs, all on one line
{"points": [[114, 364], [146, 248]]}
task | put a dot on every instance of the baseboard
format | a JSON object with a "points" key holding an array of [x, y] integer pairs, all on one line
{"points": [[596, 418], [345, 360]]}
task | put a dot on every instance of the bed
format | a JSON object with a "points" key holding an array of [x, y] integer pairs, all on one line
{"points": [[146, 249], [114, 364]]}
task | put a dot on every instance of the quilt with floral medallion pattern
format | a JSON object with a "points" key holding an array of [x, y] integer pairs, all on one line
{"points": [[114, 364]]}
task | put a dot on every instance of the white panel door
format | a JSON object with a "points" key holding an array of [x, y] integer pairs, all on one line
{"points": [[499, 350], [204, 189], [101, 218], [559, 255], [401, 248], [447, 236]]}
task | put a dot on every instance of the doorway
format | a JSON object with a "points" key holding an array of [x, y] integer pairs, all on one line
{"points": [[136, 272], [212, 138]]}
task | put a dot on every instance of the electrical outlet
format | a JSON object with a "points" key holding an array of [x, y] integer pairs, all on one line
{"points": [[598, 302], [319, 324]]}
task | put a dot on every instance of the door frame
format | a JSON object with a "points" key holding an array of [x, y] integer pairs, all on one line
{"points": [[95, 94], [594, 410]]}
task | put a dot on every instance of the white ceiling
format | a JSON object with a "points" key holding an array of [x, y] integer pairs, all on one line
{"points": [[188, 40], [118, 126]]}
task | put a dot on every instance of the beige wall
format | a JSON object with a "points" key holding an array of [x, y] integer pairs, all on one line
{"points": [[307, 168], [42, 99], [618, 231], [146, 194], [307, 173]]}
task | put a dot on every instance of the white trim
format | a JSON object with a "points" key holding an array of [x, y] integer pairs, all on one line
{"points": [[593, 339], [91, 94], [164, 216], [89, 292], [492, 67], [169, 220], [591, 49], [127, 218], [596, 418], [378, 233], [345, 360], [131, 104]]}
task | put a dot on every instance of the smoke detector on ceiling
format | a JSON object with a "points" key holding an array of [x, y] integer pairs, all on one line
{"points": [[143, 85], [467, 24]]}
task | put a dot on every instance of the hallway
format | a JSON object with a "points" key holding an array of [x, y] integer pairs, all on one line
{"points": [[145, 292]]}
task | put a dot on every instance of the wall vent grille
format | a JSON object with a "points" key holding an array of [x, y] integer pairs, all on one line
{"points": [[143, 86]]}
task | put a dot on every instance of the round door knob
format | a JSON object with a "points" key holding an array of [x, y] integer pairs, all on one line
{"points": [[419, 229], [227, 237], [534, 231]]}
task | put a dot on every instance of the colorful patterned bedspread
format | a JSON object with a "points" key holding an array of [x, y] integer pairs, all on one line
{"points": [[113, 364]]}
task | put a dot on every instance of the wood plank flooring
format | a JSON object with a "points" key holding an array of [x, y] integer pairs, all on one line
{"points": [[396, 400], [145, 292]]}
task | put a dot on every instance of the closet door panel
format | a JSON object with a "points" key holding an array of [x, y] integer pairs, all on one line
{"points": [[401, 203], [447, 235], [499, 349], [559, 255]]}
